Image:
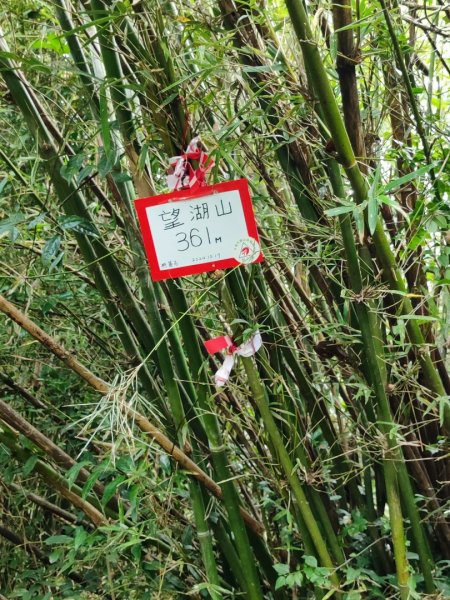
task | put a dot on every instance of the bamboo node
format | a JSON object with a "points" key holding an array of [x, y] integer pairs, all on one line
{"points": [[217, 449]]}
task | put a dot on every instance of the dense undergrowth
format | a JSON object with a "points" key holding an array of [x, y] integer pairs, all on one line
{"points": [[321, 469]]}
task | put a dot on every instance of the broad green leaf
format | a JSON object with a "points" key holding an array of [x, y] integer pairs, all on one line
{"points": [[8, 225], [280, 582], [78, 224], [52, 41], [281, 568], [311, 561], [51, 249], [418, 238], [55, 555], [72, 166]]}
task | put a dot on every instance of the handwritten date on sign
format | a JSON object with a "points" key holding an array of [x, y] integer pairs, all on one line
{"points": [[189, 232]]}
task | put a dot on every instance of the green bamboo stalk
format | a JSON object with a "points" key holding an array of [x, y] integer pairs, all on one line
{"points": [[366, 319], [178, 415], [113, 72], [206, 411], [216, 443], [299, 178], [259, 397], [77, 53], [73, 202], [375, 339], [86, 78], [398, 536], [375, 373], [237, 515], [336, 126], [229, 552], [289, 469], [204, 537], [368, 332], [313, 403], [230, 498], [408, 80], [291, 435]]}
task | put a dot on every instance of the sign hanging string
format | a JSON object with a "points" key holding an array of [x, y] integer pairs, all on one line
{"points": [[246, 349], [182, 174]]}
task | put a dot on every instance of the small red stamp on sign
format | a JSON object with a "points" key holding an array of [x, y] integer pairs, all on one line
{"points": [[194, 231]]}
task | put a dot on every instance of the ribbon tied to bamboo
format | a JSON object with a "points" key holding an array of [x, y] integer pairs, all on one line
{"points": [[182, 174], [246, 350]]}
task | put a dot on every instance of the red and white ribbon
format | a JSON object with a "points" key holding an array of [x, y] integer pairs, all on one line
{"points": [[182, 174], [246, 349]]}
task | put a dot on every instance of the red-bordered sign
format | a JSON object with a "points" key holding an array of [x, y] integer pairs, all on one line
{"points": [[187, 232]]}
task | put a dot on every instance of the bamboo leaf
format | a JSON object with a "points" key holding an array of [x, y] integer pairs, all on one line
{"points": [[29, 465], [372, 213], [263, 68], [111, 489], [58, 539], [104, 120], [372, 204], [106, 161], [74, 471], [395, 183], [78, 224], [340, 210], [51, 249]]}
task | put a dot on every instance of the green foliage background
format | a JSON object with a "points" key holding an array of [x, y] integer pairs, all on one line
{"points": [[334, 437]]}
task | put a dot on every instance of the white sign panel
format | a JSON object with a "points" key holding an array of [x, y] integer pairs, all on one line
{"points": [[212, 228]]}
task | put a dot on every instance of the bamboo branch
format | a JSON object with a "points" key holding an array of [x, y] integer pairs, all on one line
{"points": [[61, 513], [56, 481], [23, 392], [61, 458], [104, 388], [365, 314]]}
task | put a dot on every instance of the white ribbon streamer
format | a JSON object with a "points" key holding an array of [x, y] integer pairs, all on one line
{"points": [[175, 180], [247, 349]]}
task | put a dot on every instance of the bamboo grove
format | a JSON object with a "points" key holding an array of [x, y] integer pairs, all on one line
{"points": [[321, 469]]}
